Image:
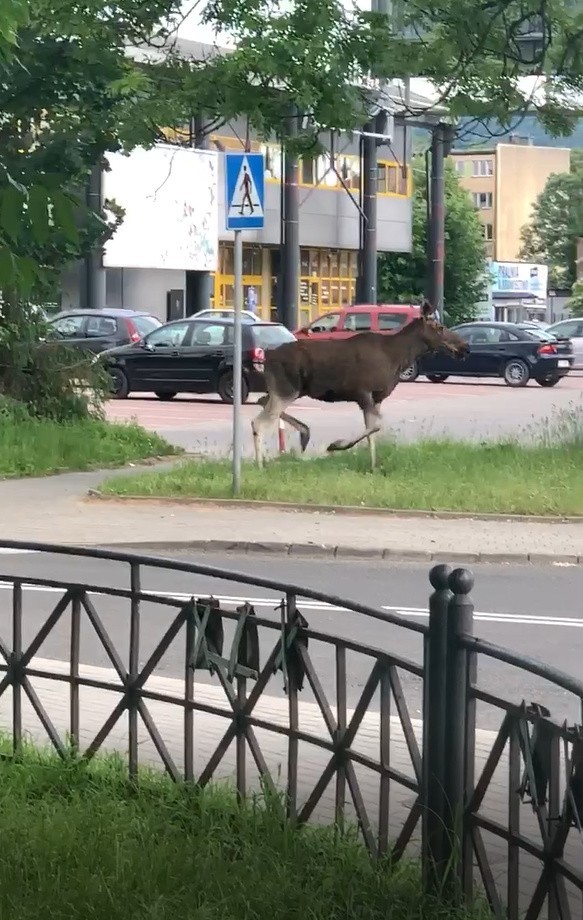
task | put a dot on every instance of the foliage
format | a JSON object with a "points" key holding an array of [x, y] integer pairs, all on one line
{"points": [[556, 224], [85, 843], [575, 301], [33, 446], [403, 276]]}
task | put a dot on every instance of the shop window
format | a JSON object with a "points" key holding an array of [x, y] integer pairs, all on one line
{"points": [[391, 180]]}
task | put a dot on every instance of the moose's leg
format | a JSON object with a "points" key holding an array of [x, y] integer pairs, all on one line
{"points": [[273, 409], [372, 425]]}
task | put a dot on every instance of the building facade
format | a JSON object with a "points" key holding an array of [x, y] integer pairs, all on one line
{"points": [[329, 231], [504, 182]]}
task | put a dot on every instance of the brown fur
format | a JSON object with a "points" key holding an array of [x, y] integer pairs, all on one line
{"points": [[364, 369]]}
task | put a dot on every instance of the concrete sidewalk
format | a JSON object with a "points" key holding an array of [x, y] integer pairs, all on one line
{"points": [[97, 704], [57, 509]]}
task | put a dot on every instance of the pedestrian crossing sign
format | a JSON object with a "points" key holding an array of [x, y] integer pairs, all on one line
{"points": [[245, 188]]}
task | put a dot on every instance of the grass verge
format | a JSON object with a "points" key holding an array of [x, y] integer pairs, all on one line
{"points": [[437, 475], [36, 447], [83, 845]]}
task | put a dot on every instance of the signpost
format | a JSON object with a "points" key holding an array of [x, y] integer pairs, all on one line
{"points": [[244, 198]]}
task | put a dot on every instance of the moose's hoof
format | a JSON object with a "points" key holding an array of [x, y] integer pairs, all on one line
{"points": [[304, 440], [335, 445]]}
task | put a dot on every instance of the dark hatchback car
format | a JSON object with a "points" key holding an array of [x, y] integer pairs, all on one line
{"points": [[193, 356], [500, 350], [99, 330]]}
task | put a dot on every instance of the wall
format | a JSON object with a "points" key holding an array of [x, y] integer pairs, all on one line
{"points": [[476, 184], [328, 217], [521, 175]]}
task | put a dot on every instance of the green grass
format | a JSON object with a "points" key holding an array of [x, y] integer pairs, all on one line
{"points": [[80, 844], [429, 475], [37, 447]]}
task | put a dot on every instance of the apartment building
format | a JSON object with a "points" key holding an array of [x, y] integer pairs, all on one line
{"points": [[504, 182]]}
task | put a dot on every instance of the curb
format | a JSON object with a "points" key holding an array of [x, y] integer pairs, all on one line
{"points": [[98, 495], [323, 551]]}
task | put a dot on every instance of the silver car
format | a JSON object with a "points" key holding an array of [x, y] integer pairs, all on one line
{"points": [[570, 329]]}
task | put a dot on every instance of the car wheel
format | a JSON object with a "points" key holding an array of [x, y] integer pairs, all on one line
{"points": [[516, 373], [164, 396], [437, 378], [548, 381], [225, 388], [409, 374], [119, 383]]}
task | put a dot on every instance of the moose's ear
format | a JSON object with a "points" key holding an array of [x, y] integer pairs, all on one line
{"points": [[427, 310]]}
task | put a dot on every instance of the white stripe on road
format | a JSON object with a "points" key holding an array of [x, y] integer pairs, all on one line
{"points": [[307, 605], [13, 551]]}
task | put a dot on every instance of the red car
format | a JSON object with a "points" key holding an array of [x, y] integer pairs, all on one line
{"points": [[385, 318]]}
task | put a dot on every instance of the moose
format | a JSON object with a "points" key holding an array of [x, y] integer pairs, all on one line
{"points": [[364, 369]]}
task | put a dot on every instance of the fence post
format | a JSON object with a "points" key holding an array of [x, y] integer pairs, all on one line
{"points": [[434, 714], [459, 623]]}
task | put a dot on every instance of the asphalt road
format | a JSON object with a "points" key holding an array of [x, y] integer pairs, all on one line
{"points": [[472, 409], [536, 611]]}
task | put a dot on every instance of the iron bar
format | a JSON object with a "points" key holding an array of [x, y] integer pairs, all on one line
{"points": [[134, 664], [341, 724], [293, 712], [16, 658], [74, 655]]}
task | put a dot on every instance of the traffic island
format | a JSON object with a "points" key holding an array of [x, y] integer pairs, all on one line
{"points": [[500, 478]]}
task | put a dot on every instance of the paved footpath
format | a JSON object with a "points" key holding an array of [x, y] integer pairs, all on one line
{"points": [[59, 510], [97, 704]]}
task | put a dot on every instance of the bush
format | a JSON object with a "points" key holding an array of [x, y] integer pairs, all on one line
{"points": [[52, 380]]}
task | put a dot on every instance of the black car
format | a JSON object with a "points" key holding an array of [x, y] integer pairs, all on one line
{"points": [[193, 356], [500, 350], [99, 330]]}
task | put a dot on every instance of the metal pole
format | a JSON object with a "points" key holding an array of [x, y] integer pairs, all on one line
{"points": [[437, 221], [237, 361], [95, 277], [368, 289], [199, 293], [290, 256]]}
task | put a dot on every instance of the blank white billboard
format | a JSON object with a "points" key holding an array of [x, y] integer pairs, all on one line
{"points": [[169, 195]]}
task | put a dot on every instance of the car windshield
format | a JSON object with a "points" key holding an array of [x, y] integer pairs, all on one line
{"points": [[145, 324], [271, 336]]}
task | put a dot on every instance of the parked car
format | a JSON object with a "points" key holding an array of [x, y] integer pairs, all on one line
{"points": [[532, 324], [193, 355], [340, 324], [98, 330], [571, 329], [500, 350], [227, 313]]}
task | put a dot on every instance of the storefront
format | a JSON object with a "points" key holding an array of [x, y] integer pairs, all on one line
{"points": [[519, 291], [327, 280]]}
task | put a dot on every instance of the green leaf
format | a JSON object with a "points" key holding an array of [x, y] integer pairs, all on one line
{"points": [[7, 267], [64, 216], [11, 211], [38, 213]]}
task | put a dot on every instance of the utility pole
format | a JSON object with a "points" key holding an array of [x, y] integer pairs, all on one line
{"points": [[198, 284], [94, 294], [441, 141], [366, 283], [290, 249]]}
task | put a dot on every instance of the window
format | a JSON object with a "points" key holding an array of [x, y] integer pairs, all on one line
{"points": [[271, 336], [488, 231], [482, 168], [326, 323], [568, 329], [483, 200], [357, 322], [145, 324], [391, 320], [490, 335], [101, 327], [69, 326], [212, 334], [170, 336], [460, 166]]}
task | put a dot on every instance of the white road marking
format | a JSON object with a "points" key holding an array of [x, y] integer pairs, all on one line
{"points": [[12, 551], [509, 619]]}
